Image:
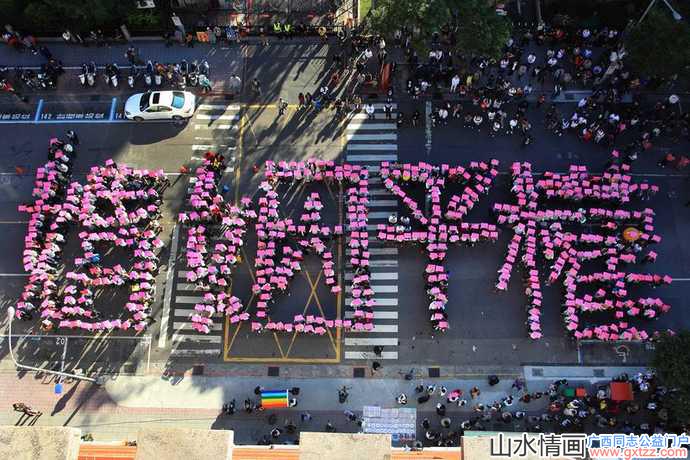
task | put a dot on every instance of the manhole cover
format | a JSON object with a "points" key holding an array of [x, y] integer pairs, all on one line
{"points": [[198, 370], [538, 372], [273, 371], [358, 372], [129, 369], [434, 372]]}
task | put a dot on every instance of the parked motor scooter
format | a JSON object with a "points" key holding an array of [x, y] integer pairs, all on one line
{"points": [[91, 72], [114, 74], [132, 76], [82, 74], [148, 73], [193, 77], [205, 68]]}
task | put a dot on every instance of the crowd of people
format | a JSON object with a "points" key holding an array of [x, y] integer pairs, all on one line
{"points": [[208, 213], [626, 404], [277, 261], [568, 408], [618, 238], [537, 63], [441, 228], [117, 206]]}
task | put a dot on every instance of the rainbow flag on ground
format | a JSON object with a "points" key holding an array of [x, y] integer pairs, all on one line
{"points": [[271, 399]]}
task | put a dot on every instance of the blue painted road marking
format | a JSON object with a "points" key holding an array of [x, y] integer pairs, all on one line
{"points": [[112, 109], [38, 111]]}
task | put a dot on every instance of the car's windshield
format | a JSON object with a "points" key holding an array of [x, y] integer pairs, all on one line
{"points": [[144, 102], [178, 99]]}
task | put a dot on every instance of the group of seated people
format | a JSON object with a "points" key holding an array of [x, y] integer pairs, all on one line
{"points": [[440, 228], [277, 261], [613, 237], [118, 206]]}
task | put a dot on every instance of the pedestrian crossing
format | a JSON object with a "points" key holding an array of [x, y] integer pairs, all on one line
{"points": [[369, 142], [216, 129]]}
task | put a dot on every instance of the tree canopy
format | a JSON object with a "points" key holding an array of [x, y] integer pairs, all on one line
{"points": [[39, 16], [659, 46], [477, 28], [672, 364]]}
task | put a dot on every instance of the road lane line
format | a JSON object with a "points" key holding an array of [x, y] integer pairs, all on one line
{"points": [[39, 109], [363, 126], [355, 147], [379, 301], [113, 105], [215, 127], [180, 326], [372, 137], [201, 116], [163, 336], [370, 341], [370, 355], [177, 338], [376, 276], [378, 314]]}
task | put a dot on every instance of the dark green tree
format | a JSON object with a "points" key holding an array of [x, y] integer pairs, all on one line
{"points": [[477, 27], [659, 46], [672, 364], [74, 14]]}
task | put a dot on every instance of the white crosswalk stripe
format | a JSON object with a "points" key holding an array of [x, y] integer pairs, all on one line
{"points": [[370, 355], [368, 125], [372, 137], [369, 142], [210, 134]]}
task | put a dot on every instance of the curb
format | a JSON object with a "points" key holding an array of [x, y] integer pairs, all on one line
{"points": [[60, 39]]}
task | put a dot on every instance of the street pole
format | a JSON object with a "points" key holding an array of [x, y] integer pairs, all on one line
{"points": [[10, 318], [644, 15], [537, 3], [676, 15], [427, 119]]}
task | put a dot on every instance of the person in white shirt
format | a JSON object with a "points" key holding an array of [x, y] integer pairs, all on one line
{"points": [[369, 109], [454, 83], [443, 115]]}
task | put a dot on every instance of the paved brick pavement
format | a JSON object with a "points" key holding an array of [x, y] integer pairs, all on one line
{"points": [[115, 411]]}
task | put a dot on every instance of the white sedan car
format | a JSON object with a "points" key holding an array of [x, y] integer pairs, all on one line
{"points": [[160, 105]]}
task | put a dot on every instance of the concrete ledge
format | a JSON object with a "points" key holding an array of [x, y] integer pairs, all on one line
{"points": [[344, 446], [39, 443], [184, 444]]}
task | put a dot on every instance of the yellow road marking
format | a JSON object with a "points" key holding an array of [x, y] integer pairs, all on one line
{"points": [[306, 305], [238, 166], [318, 303]]}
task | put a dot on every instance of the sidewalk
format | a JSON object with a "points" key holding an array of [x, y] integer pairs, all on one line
{"points": [[115, 411], [73, 55]]}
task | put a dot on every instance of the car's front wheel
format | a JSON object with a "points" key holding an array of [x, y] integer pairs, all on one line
{"points": [[138, 119]]}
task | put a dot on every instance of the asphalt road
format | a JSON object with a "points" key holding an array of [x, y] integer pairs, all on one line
{"points": [[487, 328]]}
